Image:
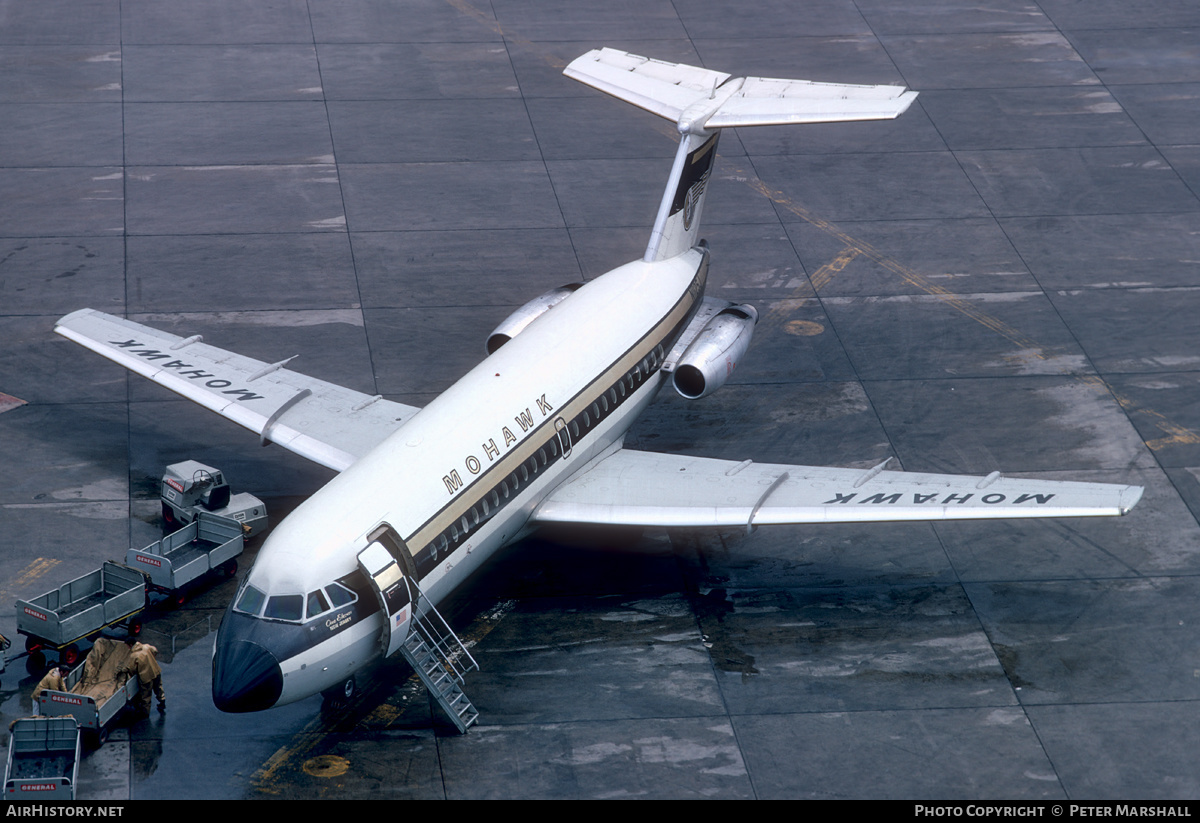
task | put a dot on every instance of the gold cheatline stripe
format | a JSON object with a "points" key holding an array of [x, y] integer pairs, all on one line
{"points": [[460, 505]]}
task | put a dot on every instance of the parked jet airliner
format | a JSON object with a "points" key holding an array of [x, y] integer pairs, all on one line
{"points": [[534, 434]]}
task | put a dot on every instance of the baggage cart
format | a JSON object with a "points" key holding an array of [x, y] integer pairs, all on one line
{"points": [[210, 544], [96, 690], [61, 618], [43, 759]]}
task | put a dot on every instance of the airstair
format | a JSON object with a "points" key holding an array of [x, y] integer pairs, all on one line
{"points": [[425, 639], [440, 660]]}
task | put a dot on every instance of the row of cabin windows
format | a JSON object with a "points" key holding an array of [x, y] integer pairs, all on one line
{"points": [[494, 500], [297, 608]]}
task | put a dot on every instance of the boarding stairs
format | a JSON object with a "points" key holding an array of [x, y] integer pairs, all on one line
{"points": [[440, 660]]}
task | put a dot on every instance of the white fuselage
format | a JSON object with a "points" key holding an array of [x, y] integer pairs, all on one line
{"points": [[463, 476]]}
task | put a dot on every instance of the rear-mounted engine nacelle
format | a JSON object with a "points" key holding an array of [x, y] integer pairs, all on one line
{"points": [[710, 358], [516, 322]]}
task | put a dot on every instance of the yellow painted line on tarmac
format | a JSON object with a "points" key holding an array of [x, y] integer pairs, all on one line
{"points": [[30, 573], [491, 23], [1175, 433], [855, 247], [35, 570], [315, 733], [478, 15], [824, 275]]}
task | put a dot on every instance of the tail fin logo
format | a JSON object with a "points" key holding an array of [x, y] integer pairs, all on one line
{"points": [[692, 200], [690, 190]]}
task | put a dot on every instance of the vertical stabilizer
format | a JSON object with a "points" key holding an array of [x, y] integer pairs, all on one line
{"points": [[677, 226], [701, 102]]}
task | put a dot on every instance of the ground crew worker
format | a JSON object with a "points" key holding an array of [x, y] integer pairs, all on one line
{"points": [[143, 664], [55, 681]]}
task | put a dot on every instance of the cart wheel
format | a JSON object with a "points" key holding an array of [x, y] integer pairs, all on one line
{"points": [[228, 568], [70, 655], [169, 521], [35, 663], [135, 628], [32, 644], [178, 599]]}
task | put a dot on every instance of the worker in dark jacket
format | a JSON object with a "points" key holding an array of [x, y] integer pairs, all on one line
{"points": [[143, 664]]}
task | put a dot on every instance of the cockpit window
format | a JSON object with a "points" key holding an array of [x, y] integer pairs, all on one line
{"points": [[251, 601], [317, 603], [285, 607], [339, 594]]}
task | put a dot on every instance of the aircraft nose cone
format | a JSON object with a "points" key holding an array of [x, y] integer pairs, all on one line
{"points": [[246, 677]]}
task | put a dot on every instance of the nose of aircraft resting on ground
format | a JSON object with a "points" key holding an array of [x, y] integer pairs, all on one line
{"points": [[246, 677]]}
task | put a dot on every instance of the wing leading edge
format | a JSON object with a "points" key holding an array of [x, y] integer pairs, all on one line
{"points": [[636, 488], [323, 422]]}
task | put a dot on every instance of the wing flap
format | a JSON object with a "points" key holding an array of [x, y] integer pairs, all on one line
{"points": [[635, 488], [321, 421]]}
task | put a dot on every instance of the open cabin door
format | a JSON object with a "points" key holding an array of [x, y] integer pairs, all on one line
{"points": [[389, 567], [414, 626]]}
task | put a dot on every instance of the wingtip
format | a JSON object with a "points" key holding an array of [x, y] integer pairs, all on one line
{"points": [[66, 318], [1129, 498]]}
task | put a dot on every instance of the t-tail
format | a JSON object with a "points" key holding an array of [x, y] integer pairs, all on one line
{"points": [[701, 103]]}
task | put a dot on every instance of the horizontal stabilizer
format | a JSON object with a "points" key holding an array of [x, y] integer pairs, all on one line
{"points": [[656, 86], [762, 101], [321, 421], [697, 98], [635, 488]]}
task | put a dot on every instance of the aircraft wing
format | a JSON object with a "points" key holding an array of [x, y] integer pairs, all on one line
{"points": [[323, 422], [637, 488], [671, 89]]}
